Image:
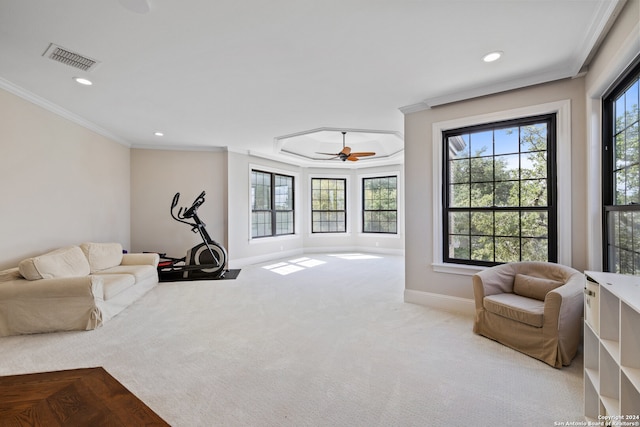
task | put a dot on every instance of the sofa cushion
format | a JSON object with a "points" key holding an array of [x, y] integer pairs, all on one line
{"points": [[534, 287], [64, 262], [516, 307], [140, 272], [10, 274], [113, 284], [102, 255]]}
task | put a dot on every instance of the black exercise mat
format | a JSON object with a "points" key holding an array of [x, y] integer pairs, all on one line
{"points": [[177, 276], [231, 274]]}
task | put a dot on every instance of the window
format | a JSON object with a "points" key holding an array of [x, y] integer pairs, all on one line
{"points": [[271, 204], [621, 175], [499, 194], [380, 205], [328, 205]]}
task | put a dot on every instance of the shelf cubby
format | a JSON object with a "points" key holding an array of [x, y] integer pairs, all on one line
{"points": [[612, 346], [630, 397], [609, 376], [630, 337], [591, 400], [609, 316]]}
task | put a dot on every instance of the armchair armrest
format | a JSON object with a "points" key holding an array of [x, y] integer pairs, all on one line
{"points": [[564, 305], [496, 280], [140, 259]]}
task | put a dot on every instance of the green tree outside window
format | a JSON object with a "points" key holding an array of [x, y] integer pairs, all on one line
{"points": [[499, 203]]}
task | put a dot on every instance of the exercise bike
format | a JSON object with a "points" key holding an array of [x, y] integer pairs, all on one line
{"points": [[206, 260]]}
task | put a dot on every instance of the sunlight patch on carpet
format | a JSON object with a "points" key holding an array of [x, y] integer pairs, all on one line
{"points": [[294, 265]]}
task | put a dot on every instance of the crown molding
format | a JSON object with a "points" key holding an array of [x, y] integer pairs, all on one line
{"points": [[277, 139], [58, 110], [414, 108], [179, 147], [500, 86], [603, 20]]}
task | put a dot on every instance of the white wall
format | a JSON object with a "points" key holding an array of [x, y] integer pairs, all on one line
{"points": [[618, 50], [242, 249], [61, 183], [156, 175], [354, 239], [426, 286], [421, 276]]}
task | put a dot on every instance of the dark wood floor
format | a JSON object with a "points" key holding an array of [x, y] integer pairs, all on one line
{"points": [[78, 397]]}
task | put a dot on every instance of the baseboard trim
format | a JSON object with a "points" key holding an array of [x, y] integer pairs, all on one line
{"points": [[343, 249], [439, 301]]}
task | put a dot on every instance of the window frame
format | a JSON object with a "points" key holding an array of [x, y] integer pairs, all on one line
{"points": [[620, 86], [551, 189], [273, 210], [344, 211], [364, 210], [563, 157]]}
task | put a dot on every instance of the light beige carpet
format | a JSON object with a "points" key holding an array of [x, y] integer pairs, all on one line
{"points": [[318, 340]]}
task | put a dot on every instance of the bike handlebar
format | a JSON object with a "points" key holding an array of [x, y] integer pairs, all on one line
{"points": [[175, 201], [188, 212]]}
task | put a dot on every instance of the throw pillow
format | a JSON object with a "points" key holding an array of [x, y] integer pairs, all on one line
{"points": [[63, 262], [534, 287], [102, 255]]}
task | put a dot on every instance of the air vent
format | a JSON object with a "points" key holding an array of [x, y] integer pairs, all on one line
{"points": [[73, 59]]}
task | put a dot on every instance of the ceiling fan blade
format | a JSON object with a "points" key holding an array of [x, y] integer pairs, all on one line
{"points": [[352, 158], [346, 151], [137, 6], [363, 154], [328, 154]]}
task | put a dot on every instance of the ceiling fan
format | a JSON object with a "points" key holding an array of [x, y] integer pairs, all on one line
{"points": [[346, 153]]}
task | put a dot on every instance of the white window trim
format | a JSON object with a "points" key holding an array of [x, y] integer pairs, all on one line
{"points": [[626, 53], [399, 204], [563, 162], [296, 208], [347, 179]]}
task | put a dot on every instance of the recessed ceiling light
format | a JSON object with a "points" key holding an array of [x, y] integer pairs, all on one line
{"points": [[159, 134], [492, 56], [83, 81]]}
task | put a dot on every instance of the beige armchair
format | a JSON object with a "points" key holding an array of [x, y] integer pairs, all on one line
{"points": [[533, 307]]}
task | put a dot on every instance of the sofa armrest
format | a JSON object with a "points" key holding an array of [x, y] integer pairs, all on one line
{"points": [[47, 305], [59, 287], [140, 259]]}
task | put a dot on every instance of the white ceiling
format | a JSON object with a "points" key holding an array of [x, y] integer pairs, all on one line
{"points": [[247, 75]]}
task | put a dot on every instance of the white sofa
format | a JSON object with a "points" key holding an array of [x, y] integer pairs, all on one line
{"points": [[73, 288]]}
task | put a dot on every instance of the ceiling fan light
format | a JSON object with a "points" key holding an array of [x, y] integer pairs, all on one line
{"points": [[83, 81], [492, 56]]}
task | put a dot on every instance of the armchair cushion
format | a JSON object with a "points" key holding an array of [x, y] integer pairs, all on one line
{"points": [[534, 287], [516, 307]]}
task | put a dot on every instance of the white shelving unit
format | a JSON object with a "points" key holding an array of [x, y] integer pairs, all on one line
{"points": [[612, 347]]}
